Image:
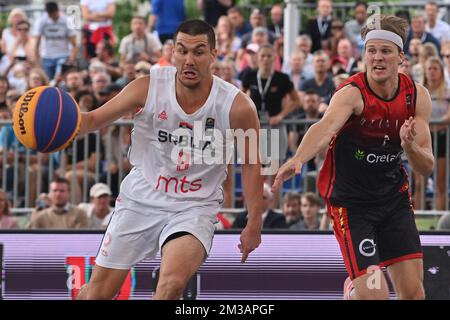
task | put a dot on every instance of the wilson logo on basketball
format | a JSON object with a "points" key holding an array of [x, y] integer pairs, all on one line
{"points": [[163, 115], [24, 109]]}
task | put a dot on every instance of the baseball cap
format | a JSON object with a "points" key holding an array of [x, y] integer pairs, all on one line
{"points": [[252, 48], [99, 189], [337, 60]]}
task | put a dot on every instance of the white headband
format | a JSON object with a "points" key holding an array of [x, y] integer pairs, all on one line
{"points": [[384, 35]]}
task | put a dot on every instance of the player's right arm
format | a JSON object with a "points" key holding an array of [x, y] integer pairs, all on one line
{"points": [[132, 96], [345, 102], [243, 116]]}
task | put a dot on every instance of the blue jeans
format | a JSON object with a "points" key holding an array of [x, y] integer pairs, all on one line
{"points": [[53, 66]]}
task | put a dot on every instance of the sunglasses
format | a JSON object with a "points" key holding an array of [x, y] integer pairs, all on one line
{"points": [[23, 29], [13, 97]]}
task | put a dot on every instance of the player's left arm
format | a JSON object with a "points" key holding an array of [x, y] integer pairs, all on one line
{"points": [[132, 96], [415, 135], [243, 116]]}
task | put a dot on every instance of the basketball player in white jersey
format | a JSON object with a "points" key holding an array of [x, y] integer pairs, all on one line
{"points": [[165, 205]]}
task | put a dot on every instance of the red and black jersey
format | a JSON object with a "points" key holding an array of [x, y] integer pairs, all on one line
{"points": [[363, 165]]}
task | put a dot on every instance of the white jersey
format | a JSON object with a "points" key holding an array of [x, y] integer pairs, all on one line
{"points": [[174, 152]]}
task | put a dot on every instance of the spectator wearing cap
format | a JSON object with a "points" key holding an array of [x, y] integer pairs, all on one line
{"points": [[98, 210], [142, 69], [139, 45], [444, 222], [61, 214], [55, 43]]}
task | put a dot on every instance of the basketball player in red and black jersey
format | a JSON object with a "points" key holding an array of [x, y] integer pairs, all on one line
{"points": [[373, 118]]}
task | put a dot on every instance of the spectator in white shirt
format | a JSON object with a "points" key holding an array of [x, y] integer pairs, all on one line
{"points": [[139, 45], [56, 43], [438, 28], [98, 210]]}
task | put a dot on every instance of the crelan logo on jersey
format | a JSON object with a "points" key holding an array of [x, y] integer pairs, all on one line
{"points": [[373, 158]]}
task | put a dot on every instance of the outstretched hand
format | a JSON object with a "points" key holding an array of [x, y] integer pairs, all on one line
{"points": [[408, 132], [286, 171], [250, 240]]}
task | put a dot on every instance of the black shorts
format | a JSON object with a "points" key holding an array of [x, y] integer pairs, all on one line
{"points": [[441, 143], [376, 236]]}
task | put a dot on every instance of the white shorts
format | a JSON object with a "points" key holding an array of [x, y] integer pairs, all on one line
{"points": [[137, 232]]}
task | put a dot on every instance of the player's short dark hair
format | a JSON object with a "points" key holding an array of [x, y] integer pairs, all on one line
{"points": [[51, 7], [197, 27]]}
